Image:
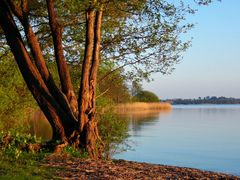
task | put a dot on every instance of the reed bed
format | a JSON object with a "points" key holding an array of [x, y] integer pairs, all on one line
{"points": [[142, 108]]}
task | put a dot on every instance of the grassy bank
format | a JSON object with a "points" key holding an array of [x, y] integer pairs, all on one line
{"points": [[16, 162], [28, 166]]}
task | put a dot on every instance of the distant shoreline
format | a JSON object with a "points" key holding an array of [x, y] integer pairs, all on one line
{"points": [[204, 100], [206, 104]]}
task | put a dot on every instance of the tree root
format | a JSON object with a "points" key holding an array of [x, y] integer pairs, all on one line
{"points": [[59, 148]]}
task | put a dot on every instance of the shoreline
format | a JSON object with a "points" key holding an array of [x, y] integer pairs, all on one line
{"points": [[75, 168]]}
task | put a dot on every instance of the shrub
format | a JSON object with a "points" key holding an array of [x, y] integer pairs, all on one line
{"points": [[145, 96]]}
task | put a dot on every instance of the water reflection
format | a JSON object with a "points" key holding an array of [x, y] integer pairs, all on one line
{"points": [[140, 119], [199, 136], [39, 126]]}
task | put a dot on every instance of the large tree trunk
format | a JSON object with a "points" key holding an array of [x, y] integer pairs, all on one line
{"points": [[60, 107], [84, 96], [87, 93], [93, 137]]}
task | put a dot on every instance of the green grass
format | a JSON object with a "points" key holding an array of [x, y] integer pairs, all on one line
{"points": [[15, 163], [26, 166], [18, 162]]}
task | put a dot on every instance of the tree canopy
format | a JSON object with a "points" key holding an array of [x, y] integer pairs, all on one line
{"points": [[146, 96], [139, 34]]}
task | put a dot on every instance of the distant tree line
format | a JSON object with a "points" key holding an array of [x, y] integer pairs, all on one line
{"points": [[206, 100]]}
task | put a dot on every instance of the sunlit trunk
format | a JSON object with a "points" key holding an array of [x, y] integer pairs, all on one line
{"points": [[87, 93], [66, 83]]}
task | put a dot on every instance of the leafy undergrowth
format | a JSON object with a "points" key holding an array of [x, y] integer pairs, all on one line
{"points": [[19, 161], [28, 166], [16, 163]]}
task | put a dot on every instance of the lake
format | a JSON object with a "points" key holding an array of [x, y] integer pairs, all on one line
{"points": [[198, 136]]}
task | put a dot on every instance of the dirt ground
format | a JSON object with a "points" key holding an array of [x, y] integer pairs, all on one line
{"points": [[74, 168]]}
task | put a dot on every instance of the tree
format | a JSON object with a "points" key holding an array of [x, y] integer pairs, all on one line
{"points": [[136, 87], [59, 106], [140, 34], [146, 96]]}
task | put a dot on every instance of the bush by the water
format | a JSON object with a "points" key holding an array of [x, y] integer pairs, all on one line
{"points": [[145, 96]]}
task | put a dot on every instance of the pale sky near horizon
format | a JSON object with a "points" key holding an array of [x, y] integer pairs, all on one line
{"points": [[211, 67]]}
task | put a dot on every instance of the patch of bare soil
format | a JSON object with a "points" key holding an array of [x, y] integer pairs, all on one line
{"points": [[69, 168]]}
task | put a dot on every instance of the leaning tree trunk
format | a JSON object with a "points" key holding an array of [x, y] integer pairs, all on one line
{"points": [[71, 123], [66, 83]]}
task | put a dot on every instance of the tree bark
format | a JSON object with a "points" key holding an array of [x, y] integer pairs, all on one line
{"points": [[63, 71], [87, 95], [93, 137], [96, 56], [84, 106]]}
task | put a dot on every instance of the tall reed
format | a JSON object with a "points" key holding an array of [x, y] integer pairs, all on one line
{"points": [[142, 107]]}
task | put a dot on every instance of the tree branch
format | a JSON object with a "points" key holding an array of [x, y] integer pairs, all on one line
{"points": [[63, 71]]}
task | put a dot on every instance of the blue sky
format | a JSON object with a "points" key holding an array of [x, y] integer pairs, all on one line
{"points": [[211, 67]]}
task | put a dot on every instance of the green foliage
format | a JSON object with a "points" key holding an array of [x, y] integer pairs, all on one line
{"points": [[113, 84], [75, 152], [145, 96], [26, 168], [136, 87], [113, 129], [12, 143], [18, 164], [145, 35], [16, 101]]}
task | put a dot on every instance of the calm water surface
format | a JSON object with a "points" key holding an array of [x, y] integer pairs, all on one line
{"points": [[198, 136]]}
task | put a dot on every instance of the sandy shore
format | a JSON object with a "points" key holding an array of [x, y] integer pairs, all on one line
{"points": [[127, 170]]}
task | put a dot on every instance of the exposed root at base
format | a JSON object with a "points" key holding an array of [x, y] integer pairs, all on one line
{"points": [[59, 148]]}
